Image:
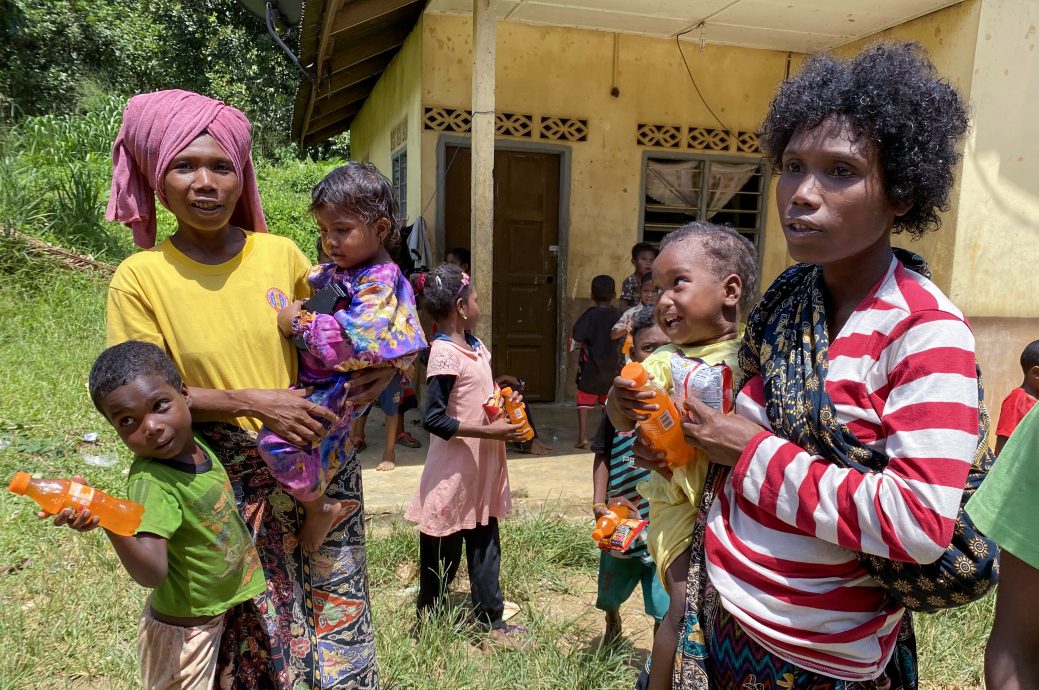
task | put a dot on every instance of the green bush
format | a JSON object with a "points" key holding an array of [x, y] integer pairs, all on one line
{"points": [[285, 192], [55, 174]]}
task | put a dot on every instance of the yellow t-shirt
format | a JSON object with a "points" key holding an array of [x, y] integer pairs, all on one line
{"points": [[673, 505], [217, 322]]}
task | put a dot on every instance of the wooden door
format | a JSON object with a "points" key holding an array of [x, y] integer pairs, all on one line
{"points": [[526, 268]]}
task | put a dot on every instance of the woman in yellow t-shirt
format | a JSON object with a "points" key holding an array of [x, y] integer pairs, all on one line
{"points": [[209, 294]]}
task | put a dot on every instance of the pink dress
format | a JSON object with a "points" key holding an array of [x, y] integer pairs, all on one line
{"points": [[465, 481]]}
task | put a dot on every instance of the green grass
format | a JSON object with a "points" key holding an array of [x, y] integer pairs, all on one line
{"points": [[68, 612]]}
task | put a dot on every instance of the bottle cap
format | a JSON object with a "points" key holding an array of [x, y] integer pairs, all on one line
{"points": [[506, 391], [633, 371], [20, 482]]}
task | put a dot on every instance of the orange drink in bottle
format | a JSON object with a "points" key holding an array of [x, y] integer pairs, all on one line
{"points": [[661, 431], [117, 515]]}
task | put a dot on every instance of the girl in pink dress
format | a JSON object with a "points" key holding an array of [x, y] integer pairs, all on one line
{"points": [[465, 482]]}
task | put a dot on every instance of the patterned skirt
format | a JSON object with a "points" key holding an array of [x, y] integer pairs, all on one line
{"points": [[714, 652], [312, 628]]}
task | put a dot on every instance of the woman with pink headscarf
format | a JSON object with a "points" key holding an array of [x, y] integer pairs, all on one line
{"points": [[210, 294]]}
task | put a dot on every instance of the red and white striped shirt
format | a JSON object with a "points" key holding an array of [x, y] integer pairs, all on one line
{"points": [[781, 535]]}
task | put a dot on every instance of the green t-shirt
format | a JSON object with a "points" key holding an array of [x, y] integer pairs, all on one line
{"points": [[1004, 505], [213, 563]]}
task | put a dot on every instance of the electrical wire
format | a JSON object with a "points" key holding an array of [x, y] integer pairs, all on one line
{"points": [[440, 181], [678, 44]]}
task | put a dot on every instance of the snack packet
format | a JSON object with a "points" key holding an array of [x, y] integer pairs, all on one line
{"points": [[694, 378], [624, 536], [494, 406]]}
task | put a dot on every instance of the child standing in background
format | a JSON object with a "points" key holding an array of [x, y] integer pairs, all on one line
{"points": [[707, 276], [1022, 399], [614, 479], [375, 324], [464, 488], [192, 548], [642, 256], [599, 356], [622, 329]]}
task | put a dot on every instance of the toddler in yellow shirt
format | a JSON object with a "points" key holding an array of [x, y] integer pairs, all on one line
{"points": [[707, 276]]}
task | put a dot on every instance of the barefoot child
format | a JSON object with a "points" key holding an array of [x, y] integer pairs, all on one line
{"points": [[614, 478], [191, 548], [464, 488], [599, 355], [374, 325], [706, 275]]}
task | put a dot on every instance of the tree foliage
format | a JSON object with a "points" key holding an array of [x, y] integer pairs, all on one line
{"points": [[58, 55]]}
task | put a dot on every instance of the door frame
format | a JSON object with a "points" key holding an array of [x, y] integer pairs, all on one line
{"points": [[564, 153]]}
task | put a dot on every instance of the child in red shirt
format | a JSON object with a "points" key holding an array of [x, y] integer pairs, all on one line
{"points": [[1021, 399]]}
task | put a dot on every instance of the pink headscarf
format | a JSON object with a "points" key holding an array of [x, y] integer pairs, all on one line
{"points": [[156, 127]]}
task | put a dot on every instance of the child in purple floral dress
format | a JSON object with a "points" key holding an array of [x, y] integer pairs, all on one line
{"points": [[374, 324]]}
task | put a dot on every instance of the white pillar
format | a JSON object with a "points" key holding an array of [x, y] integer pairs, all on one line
{"points": [[481, 235]]}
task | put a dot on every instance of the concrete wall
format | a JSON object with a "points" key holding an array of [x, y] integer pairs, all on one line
{"points": [[993, 277], [550, 70], [398, 94]]}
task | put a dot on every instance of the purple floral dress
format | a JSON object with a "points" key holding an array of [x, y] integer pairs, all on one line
{"points": [[375, 324], [312, 628]]}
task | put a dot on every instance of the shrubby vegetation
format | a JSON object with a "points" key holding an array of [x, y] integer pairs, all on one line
{"points": [[67, 68]]}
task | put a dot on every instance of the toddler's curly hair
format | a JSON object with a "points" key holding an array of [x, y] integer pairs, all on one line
{"points": [[891, 94]]}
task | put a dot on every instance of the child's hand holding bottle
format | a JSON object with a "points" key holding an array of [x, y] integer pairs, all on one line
{"points": [[503, 430], [82, 520], [629, 400]]}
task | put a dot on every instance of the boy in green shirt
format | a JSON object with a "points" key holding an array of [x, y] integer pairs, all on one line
{"points": [[192, 547]]}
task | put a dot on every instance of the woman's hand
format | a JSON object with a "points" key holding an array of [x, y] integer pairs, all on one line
{"points": [[721, 436], [515, 398], [365, 385], [290, 415]]}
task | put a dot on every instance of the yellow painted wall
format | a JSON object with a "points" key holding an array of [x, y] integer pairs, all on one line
{"points": [[397, 94], [998, 226], [558, 71]]}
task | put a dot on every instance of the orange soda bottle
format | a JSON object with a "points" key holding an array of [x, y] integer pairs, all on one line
{"points": [[662, 431], [118, 515], [517, 415], [607, 524], [627, 345]]}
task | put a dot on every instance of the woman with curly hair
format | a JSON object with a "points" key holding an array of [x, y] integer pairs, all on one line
{"points": [[859, 421]]}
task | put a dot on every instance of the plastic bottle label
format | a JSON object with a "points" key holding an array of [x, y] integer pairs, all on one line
{"points": [[80, 495]]}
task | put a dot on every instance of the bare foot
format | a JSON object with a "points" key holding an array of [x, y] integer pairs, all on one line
{"points": [[583, 443], [386, 466], [537, 447], [318, 518]]}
